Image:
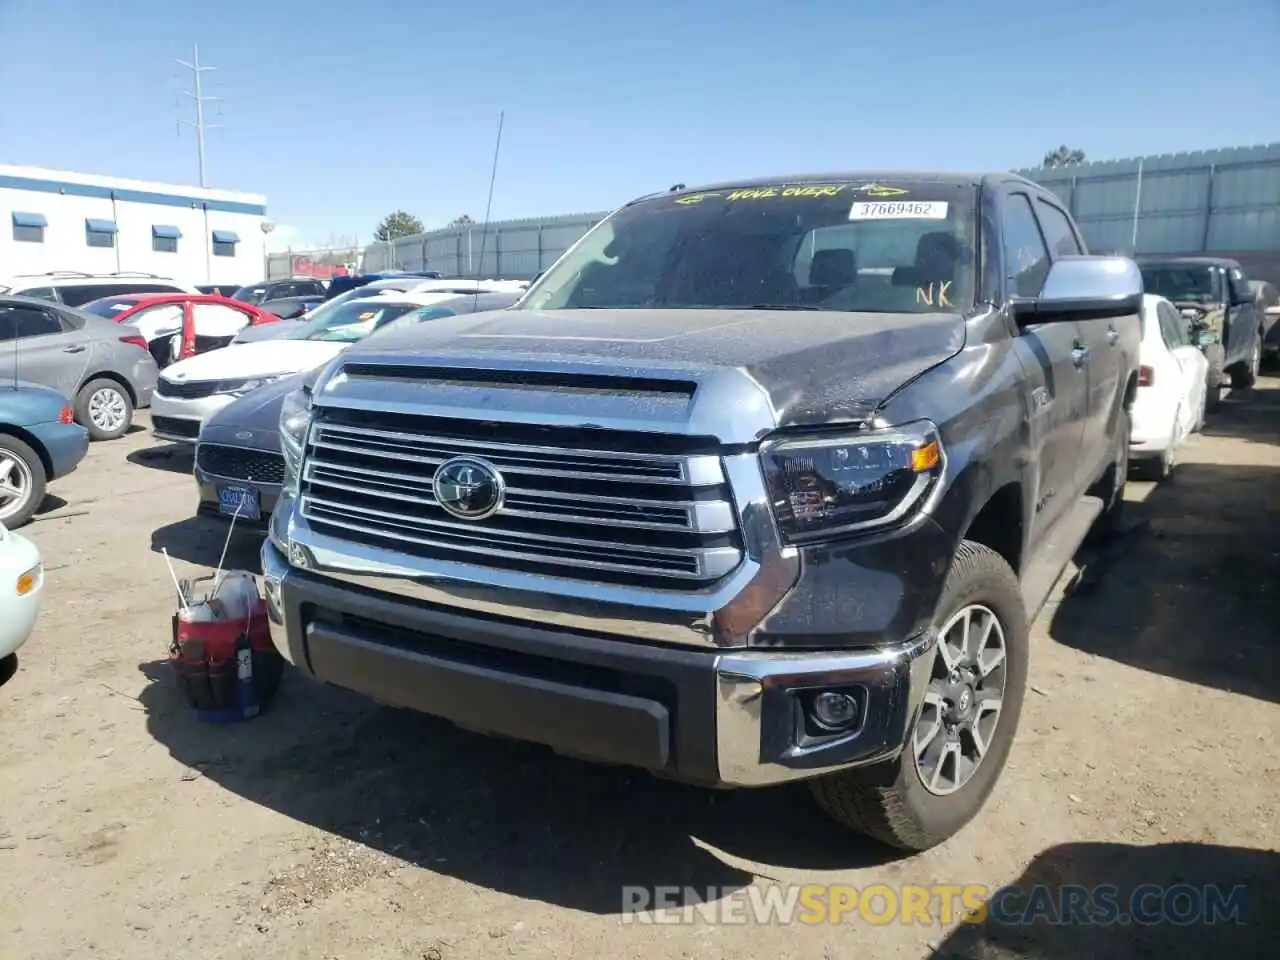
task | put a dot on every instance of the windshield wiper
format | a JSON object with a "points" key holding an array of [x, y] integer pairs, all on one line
{"points": [[777, 306]]}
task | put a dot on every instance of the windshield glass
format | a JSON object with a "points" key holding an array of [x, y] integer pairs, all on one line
{"points": [[350, 322], [252, 294], [109, 307], [1191, 283], [902, 247]]}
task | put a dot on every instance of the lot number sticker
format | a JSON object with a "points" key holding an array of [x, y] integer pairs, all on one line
{"points": [[899, 210]]}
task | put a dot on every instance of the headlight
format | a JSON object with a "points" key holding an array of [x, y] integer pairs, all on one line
{"points": [[238, 388], [819, 487], [295, 418]]}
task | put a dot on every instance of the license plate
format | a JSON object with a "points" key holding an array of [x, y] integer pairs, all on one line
{"points": [[240, 502]]}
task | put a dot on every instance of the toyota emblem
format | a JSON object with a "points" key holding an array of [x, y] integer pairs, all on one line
{"points": [[468, 488]]}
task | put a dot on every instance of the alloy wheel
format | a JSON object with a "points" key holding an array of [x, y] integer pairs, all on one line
{"points": [[15, 484], [962, 705], [107, 409]]}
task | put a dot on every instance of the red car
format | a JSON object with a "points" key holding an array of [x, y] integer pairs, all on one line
{"points": [[209, 321]]}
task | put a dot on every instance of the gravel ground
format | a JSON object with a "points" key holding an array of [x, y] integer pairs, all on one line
{"points": [[332, 828]]}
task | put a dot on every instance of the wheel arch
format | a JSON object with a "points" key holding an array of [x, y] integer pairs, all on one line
{"points": [[115, 378], [11, 430], [999, 525]]}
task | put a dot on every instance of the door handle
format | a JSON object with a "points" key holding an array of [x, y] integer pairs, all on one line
{"points": [[1113, 336], [73, 349], [1079, 355]]}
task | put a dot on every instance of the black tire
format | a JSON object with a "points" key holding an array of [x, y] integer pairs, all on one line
{"points": [[14, 514], [1217, 358], [1110, 489], [122, 408], [1156, 469], [888, 801], [1244, 376], [8, 667]]}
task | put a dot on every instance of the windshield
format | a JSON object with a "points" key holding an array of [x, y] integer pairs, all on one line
{"points": [[1190, 283], [905, 247], [251, 294], [350, 322], [109, 307]]}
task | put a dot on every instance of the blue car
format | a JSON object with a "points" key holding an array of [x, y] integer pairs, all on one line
{"points": [[39, 441]]}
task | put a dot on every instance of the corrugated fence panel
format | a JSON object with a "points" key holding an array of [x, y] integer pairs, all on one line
{"points": [[1213, 201], [514, 249]]}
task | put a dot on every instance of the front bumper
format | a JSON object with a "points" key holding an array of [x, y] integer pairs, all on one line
{"points": [[209, 485], [702, 716], [178, 420], [18, 613]]}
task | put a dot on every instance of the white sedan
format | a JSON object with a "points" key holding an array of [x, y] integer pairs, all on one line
{"points": [[21, 577], [1170, 402], [192, 390]]}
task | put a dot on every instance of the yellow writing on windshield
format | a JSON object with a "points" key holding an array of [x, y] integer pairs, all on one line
{"points": [[808, 190]]}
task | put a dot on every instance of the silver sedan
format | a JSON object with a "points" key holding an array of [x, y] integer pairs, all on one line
{"points": [[103, 368]]}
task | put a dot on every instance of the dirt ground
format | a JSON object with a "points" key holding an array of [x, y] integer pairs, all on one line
{"points": [[332, 828]]}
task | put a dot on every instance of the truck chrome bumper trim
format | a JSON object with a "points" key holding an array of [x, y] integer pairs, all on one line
{"points": [[894, 681]]}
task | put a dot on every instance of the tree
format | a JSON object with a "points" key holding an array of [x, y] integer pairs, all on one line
{"points": [[398, 224], [462, 221], [1064, 156]]}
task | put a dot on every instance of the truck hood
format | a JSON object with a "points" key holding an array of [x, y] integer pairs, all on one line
{"points": [[815, 366]]}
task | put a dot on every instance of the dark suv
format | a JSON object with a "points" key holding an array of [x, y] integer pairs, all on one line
{"points": [[268, 290], [1221, 310], [760, 482]]}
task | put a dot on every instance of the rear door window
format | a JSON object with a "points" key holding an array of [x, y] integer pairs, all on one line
{"points": [[23, 322]]}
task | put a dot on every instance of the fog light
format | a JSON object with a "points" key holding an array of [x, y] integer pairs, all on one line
{"points": [[835, 711]]}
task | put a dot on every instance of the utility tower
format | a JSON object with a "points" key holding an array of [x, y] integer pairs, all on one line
{"points": [[200, 100]]}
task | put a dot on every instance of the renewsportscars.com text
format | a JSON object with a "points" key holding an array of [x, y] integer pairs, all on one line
{"points": [[937, 904]]}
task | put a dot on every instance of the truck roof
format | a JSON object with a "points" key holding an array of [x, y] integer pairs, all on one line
{"points": [[1188, 261], [857, 176]]}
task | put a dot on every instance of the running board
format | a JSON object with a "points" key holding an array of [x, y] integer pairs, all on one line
{"points": [[1056, 551]]}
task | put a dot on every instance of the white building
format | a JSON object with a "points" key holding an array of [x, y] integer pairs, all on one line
{"points": [[58, 220]]}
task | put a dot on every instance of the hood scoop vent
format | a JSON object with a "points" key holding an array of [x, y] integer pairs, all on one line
{"points": [[567, 382]]}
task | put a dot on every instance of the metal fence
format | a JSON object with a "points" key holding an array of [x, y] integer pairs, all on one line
{"points": [[1219, 202], [512, 249]]}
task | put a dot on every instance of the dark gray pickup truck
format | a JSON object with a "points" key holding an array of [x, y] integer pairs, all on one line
{"points": [[760, 482]]}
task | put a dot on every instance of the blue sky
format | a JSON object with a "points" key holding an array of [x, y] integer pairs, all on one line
{"points": [[340, 117]]}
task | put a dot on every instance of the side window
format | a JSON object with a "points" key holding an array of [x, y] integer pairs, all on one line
{"points": [[312, 288], [154, 321], [1057, 230], [1240, 285], [217, 320], [41, 293], [1171, 327], [1026, 259], [21, 323], [77, 296]]}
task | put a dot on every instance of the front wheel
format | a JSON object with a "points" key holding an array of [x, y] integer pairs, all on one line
{"points": [[104, 407], [1245, 376], [958, 743], [22, 481]]}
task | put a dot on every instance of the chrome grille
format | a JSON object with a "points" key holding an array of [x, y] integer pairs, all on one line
{"points": [[577, 511]]}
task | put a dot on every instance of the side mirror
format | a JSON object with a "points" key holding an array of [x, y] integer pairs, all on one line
{"points": [[1084, 288]]}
